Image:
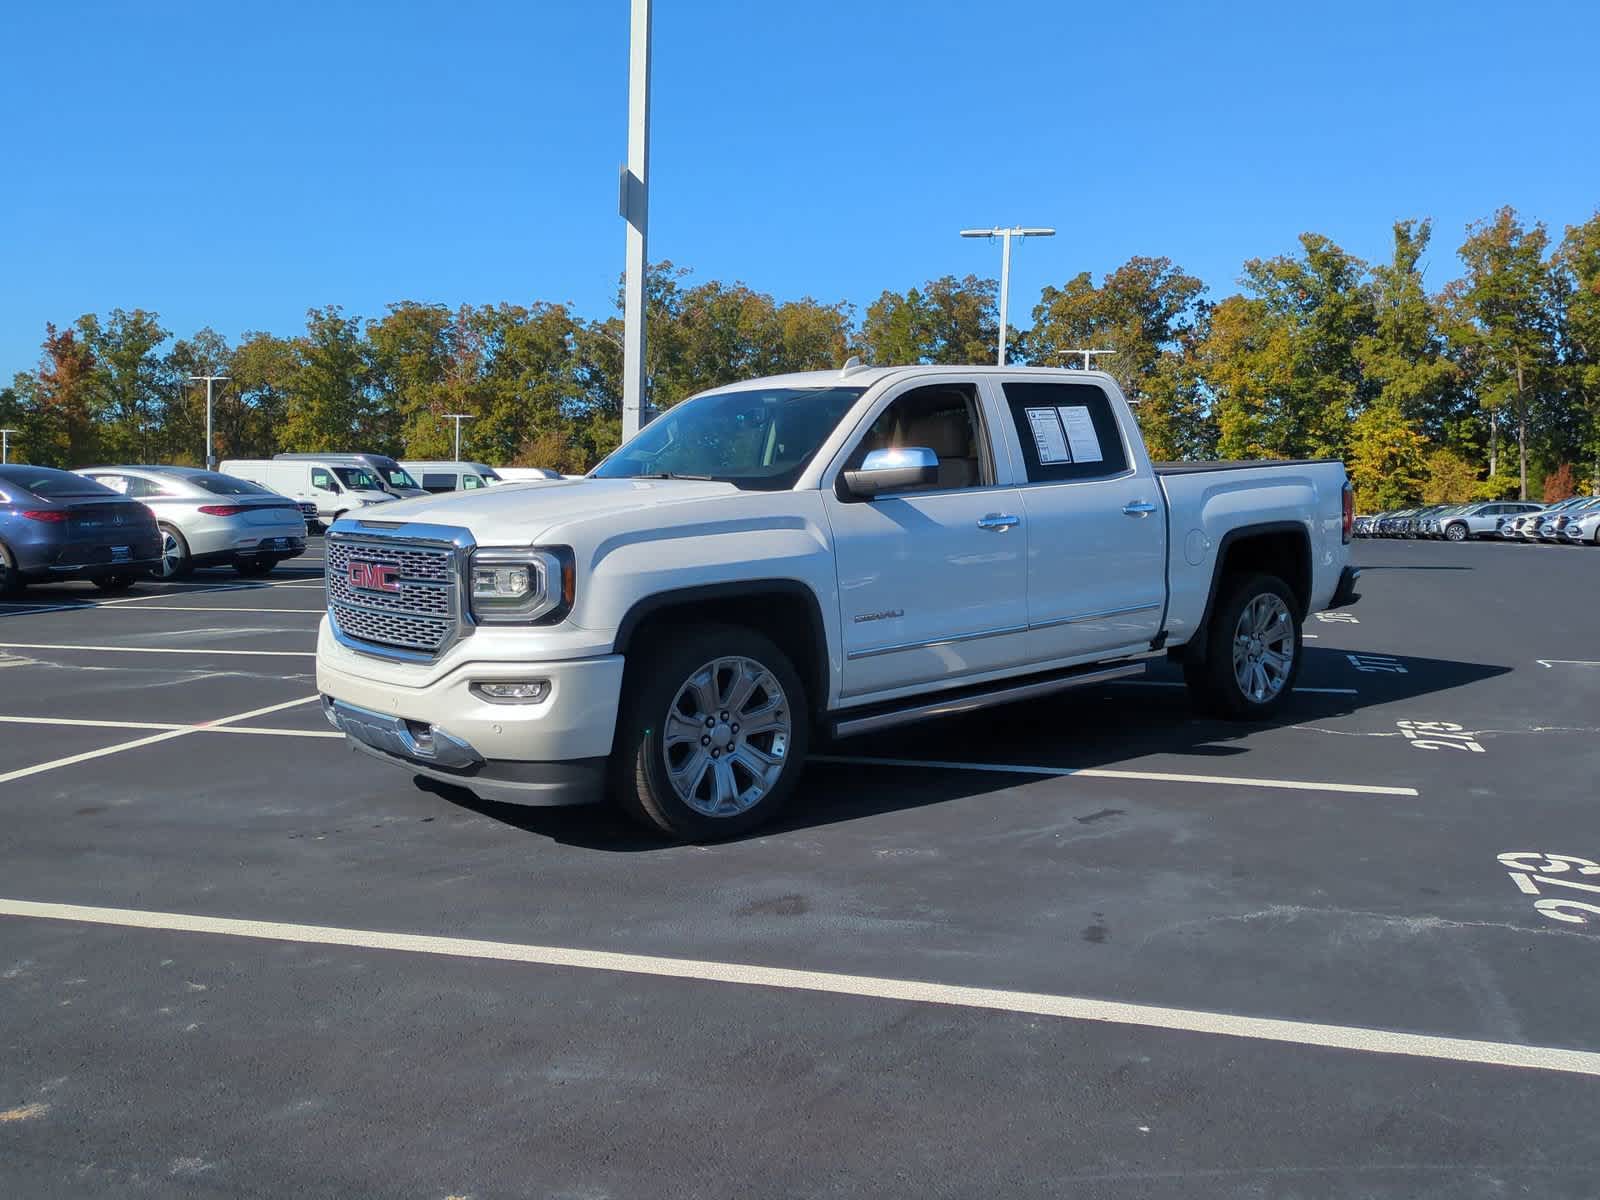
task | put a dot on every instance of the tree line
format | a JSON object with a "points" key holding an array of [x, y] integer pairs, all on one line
{"points": [[1487, 387]]}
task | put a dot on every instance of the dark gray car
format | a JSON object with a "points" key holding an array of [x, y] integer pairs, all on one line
{"points": [[57, 525]]}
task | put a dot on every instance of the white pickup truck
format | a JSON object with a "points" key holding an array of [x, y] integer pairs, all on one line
{"points": [[816, 555]]}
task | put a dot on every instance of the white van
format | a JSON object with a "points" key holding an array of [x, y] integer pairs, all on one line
{"points": [[440, 476], [527, 474], [334, 485]]}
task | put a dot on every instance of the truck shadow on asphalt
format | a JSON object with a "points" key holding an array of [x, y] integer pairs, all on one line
{"points": [[1109, 726]]}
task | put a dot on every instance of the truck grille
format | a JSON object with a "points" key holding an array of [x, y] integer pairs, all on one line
{"points": [[423, 616]]}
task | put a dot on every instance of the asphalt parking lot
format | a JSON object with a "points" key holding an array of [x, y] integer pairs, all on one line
{"points": [[1091, 947]]}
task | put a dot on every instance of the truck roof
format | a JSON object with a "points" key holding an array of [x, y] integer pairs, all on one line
{"points": [[864, 376]]}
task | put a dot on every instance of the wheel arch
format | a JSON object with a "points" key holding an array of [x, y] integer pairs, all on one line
{"points": [[1281, 548], [786, 610]]}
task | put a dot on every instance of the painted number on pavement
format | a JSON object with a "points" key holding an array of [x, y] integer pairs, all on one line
{"points": [[1438, 735], [1376, 663], [1534, 870], [1337, 618]]}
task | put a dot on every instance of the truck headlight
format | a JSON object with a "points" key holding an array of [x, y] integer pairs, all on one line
{"points": [[517, 586]]}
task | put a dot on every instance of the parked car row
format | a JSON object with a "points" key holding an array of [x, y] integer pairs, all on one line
{"points": [[1575, 521]]}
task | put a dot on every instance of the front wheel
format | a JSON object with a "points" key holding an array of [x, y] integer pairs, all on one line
{"points": [[713, 735], [1253, 650], [1456, 532], [11, 581]]}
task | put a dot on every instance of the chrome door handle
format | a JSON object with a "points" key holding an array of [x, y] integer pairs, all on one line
{"points": [[998, 521], [1139, 508]]}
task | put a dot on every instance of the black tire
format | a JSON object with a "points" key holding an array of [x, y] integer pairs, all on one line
{"points": [[656, 681], [1456, 532], [122, 581], [176, 561], [1214, 685], [11, 581], [254, 568]]}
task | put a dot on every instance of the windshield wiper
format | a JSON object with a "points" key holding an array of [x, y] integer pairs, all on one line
{"points": [[674, 475]]}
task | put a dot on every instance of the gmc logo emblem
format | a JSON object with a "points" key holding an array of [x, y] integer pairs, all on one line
{"points": [[374, 577]]}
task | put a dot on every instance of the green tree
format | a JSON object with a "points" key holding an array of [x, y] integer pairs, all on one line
{"points": [[330, 405], [1578, 264], [65, 433], [949, 321], [127, 380], [1509, 330], [1388, 459], [1451, 478], [264, 368]]}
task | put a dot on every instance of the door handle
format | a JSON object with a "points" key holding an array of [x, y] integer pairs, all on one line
{"points": [[998, 521], [1139, 508]]}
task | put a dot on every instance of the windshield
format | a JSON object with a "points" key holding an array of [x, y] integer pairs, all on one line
{"points": [[50, 484], [760, 438], [225, 485], [397, 477], [489, 474], [358, 479]]}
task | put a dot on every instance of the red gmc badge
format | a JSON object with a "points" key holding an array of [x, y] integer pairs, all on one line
{"points": [[374, 577]]}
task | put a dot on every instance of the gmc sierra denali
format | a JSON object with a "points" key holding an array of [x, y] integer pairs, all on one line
{"points": [[821, 554]]}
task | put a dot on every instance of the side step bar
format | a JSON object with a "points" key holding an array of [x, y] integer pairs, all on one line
{"points": [[1007, 692]]}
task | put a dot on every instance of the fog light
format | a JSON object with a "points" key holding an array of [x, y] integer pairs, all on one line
{"points": [[525, 691]]}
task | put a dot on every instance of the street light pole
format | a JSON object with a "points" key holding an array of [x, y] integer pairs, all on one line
{"points": [[1005, 235], [634, 204], [5, 444], [458, 418], [211, 454]]}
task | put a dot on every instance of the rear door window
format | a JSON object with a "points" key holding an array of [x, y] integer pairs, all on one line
{"points": [[438, 481], [1067, 431]]}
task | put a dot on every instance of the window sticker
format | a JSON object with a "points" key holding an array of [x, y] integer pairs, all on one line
{"points": [[1080, 433], [1048, 439]]}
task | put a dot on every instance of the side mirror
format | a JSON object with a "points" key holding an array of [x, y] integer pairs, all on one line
{"points": [[891, 471]]}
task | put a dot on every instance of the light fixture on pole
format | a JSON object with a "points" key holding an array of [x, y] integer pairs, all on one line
{"points": [[458, 418], [211, 454], [5, 444], [1088, 355], [633, 203], [1005, 235]]}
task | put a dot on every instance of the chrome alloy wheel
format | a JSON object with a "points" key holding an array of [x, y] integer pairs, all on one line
{"points": [[1263, 648], [171, 555], [726, 736]]}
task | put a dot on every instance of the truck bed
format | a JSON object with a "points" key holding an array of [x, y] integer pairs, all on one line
{"points": [[1238, 464]]}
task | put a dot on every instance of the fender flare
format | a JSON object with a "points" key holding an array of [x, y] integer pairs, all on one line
{"points": [[1203, 629]]}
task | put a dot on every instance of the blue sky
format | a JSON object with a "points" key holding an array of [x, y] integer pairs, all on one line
{"points": [[234, 164]]}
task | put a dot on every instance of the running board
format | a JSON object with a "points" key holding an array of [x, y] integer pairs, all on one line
{"points": [[1008, 692]]}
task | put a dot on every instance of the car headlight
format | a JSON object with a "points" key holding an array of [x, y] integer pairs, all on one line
{"points": [[522, 586]]}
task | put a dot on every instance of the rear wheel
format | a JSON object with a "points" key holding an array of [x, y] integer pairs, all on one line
{"points": [[1253, 650], [176, 561], [122, 581], [11, 582], [714, 734], [1456, 532]]}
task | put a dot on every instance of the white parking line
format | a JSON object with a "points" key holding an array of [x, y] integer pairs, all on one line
{"points": [[168, 735], [1293, 785], [1361, 1039], [219, 608], [162, 649], [1172, 683], [88, 723]]}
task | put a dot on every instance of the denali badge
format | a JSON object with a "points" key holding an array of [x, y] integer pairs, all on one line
{"points": [[374, 577], [888, 614]]}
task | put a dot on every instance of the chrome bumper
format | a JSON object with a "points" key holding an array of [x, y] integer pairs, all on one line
{"points": [[426, 745]]}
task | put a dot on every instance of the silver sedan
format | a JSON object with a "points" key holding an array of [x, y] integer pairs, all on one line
{"points": [[209, 519]]}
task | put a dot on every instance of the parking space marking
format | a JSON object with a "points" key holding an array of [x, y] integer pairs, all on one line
{"points": [[1172, 683], [1295, 785], [87, 723], [168, 735], [1358, 1038], [164, 649], [1548, 663], [218, 608]]}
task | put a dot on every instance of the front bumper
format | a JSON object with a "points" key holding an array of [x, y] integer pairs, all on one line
{"points": [[433, 752], [431, 721]]}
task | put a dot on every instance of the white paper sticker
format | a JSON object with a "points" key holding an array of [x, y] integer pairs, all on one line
{"points": [[1080, 433], [1047, 436]]}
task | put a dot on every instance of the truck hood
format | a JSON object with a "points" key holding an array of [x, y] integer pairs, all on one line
{"points": [[517, 514]]}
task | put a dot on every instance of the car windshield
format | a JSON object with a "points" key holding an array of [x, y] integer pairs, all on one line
{"points": [[358, 479], [489, 474], [397, 477], [224, 485], [757, 438], [50, 484]]}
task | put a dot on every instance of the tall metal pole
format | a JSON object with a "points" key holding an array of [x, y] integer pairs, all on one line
{"points": [[5, 444], [211, 455], [635, 204], [1005, 235], [458, 418]]}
